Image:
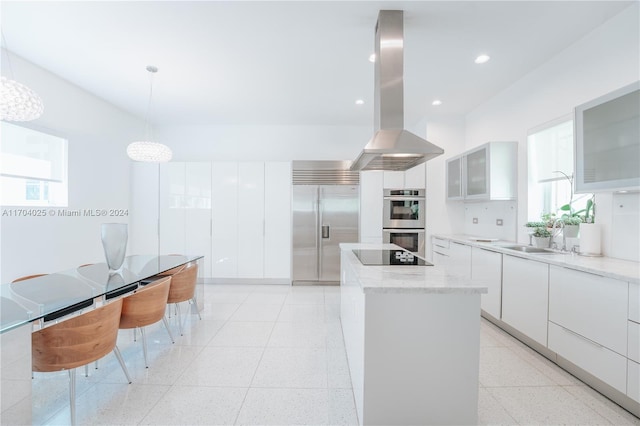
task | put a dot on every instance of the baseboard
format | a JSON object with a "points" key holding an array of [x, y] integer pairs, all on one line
{"points": [[613, 394]]}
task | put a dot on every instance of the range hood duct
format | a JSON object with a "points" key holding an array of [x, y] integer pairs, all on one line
{"points": [[392, 147]]}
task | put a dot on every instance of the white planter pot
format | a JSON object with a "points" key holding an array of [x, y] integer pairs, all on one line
{"points": [[590, 242], [541, 242]]}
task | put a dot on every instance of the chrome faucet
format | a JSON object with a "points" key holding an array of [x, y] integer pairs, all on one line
{"points": [[561, 229]]}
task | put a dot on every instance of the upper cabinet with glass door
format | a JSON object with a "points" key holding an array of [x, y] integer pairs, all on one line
{"points": [[607, 136], [488, 172], [454, 178]]}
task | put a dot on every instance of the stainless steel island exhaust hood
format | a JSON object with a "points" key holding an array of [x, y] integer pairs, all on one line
{"points": [[392, 147]]}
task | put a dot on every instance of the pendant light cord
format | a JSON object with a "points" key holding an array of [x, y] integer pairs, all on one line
{"points": [[6, 52], [148, 128]]}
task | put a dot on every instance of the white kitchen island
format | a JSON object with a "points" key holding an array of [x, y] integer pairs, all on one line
{"points": [[412, 335]]}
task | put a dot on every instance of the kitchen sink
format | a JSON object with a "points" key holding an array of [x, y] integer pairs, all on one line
{"points": [[530, 249]]}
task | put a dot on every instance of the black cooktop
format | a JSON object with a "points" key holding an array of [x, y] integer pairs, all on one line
{"points": [[389, 257]]}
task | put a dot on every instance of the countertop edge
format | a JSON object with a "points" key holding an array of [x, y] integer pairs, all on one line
{"points": [[604, 266]]}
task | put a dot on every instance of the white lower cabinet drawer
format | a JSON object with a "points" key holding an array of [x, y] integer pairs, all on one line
{"points": [[633, 350], [633, 380], [601, 362]]}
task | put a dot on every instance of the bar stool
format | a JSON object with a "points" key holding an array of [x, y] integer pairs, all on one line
{"points": [[78, 341], [183, 288], [145, 307]]}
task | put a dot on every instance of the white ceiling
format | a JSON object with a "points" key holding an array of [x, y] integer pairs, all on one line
{"points": [[236, 62]]}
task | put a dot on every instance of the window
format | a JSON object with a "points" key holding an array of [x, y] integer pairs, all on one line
{"points": [[33, 168], [550, 161]]}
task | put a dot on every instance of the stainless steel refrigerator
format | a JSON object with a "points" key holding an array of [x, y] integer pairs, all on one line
{"points": [[323, 217]]}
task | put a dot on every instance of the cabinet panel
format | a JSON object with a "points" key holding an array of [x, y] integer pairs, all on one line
{"points": [[633, 337], [634, 302], [525, 296], [371, 195], [172, 208], [460, 259], [251, 218], [277, 217], [454, 179], [603, 363], [477, 173], [608, 141], [590, 305], [486, 270], [197, 229], [224, 212], [633, 380]]}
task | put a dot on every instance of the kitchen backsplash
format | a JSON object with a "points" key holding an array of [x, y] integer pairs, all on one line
{"points": [[482, 219], [625, 226]]}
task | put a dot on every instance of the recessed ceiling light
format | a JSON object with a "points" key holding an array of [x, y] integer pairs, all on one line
{"points": [[482, 59], [372, 57], [359, 102], [436, 102]]}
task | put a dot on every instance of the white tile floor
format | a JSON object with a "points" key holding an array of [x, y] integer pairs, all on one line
{"points": [[274, 355]]}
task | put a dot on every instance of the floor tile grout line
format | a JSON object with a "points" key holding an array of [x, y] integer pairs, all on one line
{"points": [[264, 349]]}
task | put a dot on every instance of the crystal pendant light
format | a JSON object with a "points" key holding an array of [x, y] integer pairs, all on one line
{"points": [[17, 101], [147, 151]]}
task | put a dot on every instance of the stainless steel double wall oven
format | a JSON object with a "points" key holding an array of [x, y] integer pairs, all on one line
{"points": [[404, 219]]}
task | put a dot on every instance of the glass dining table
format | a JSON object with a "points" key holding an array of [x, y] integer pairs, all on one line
{"points": [[51, 296]]}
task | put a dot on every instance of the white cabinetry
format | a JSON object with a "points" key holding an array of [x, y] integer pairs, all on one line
{"points": [[185, 210], [588, 323], [454, 178], [440, 250], [490, 172], [633, 351], [608, 142], [414, 178], [525, 291], [251, 220], [460, 260], [486, 270], [371, 205], [224, 211], [277, 219]]}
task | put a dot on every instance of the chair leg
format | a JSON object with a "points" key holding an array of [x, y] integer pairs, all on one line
{"points": [[195, 305], [135, 334], [166, 325], [86, 370], [179, 317], [116, 351], [72, 394], [144, 346]]}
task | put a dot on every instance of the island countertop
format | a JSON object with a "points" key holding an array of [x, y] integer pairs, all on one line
{"points": [[403, 279]]}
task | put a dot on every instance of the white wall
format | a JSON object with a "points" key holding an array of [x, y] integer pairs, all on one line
{"points": [[98, 134], [443, 217], [264, 143], [604, 60]]}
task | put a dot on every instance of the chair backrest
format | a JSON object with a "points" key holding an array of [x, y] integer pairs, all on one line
{"points": [[76, 341], [183, 284], [27, 277], [146, 306]]}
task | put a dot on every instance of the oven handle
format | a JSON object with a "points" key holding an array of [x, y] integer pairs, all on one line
{"points": [[405, 198], [404, 231]]}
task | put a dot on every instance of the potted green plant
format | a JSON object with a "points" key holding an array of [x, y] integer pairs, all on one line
{"points": [[531, 228], [541, 237]]}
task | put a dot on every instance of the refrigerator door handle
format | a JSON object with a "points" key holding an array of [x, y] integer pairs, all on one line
{"points": [[325, 231]]}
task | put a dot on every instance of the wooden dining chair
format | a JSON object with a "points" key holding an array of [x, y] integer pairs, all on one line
{"points": [[145, 307], [27, 277], [183, 288], [78, 341]]}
